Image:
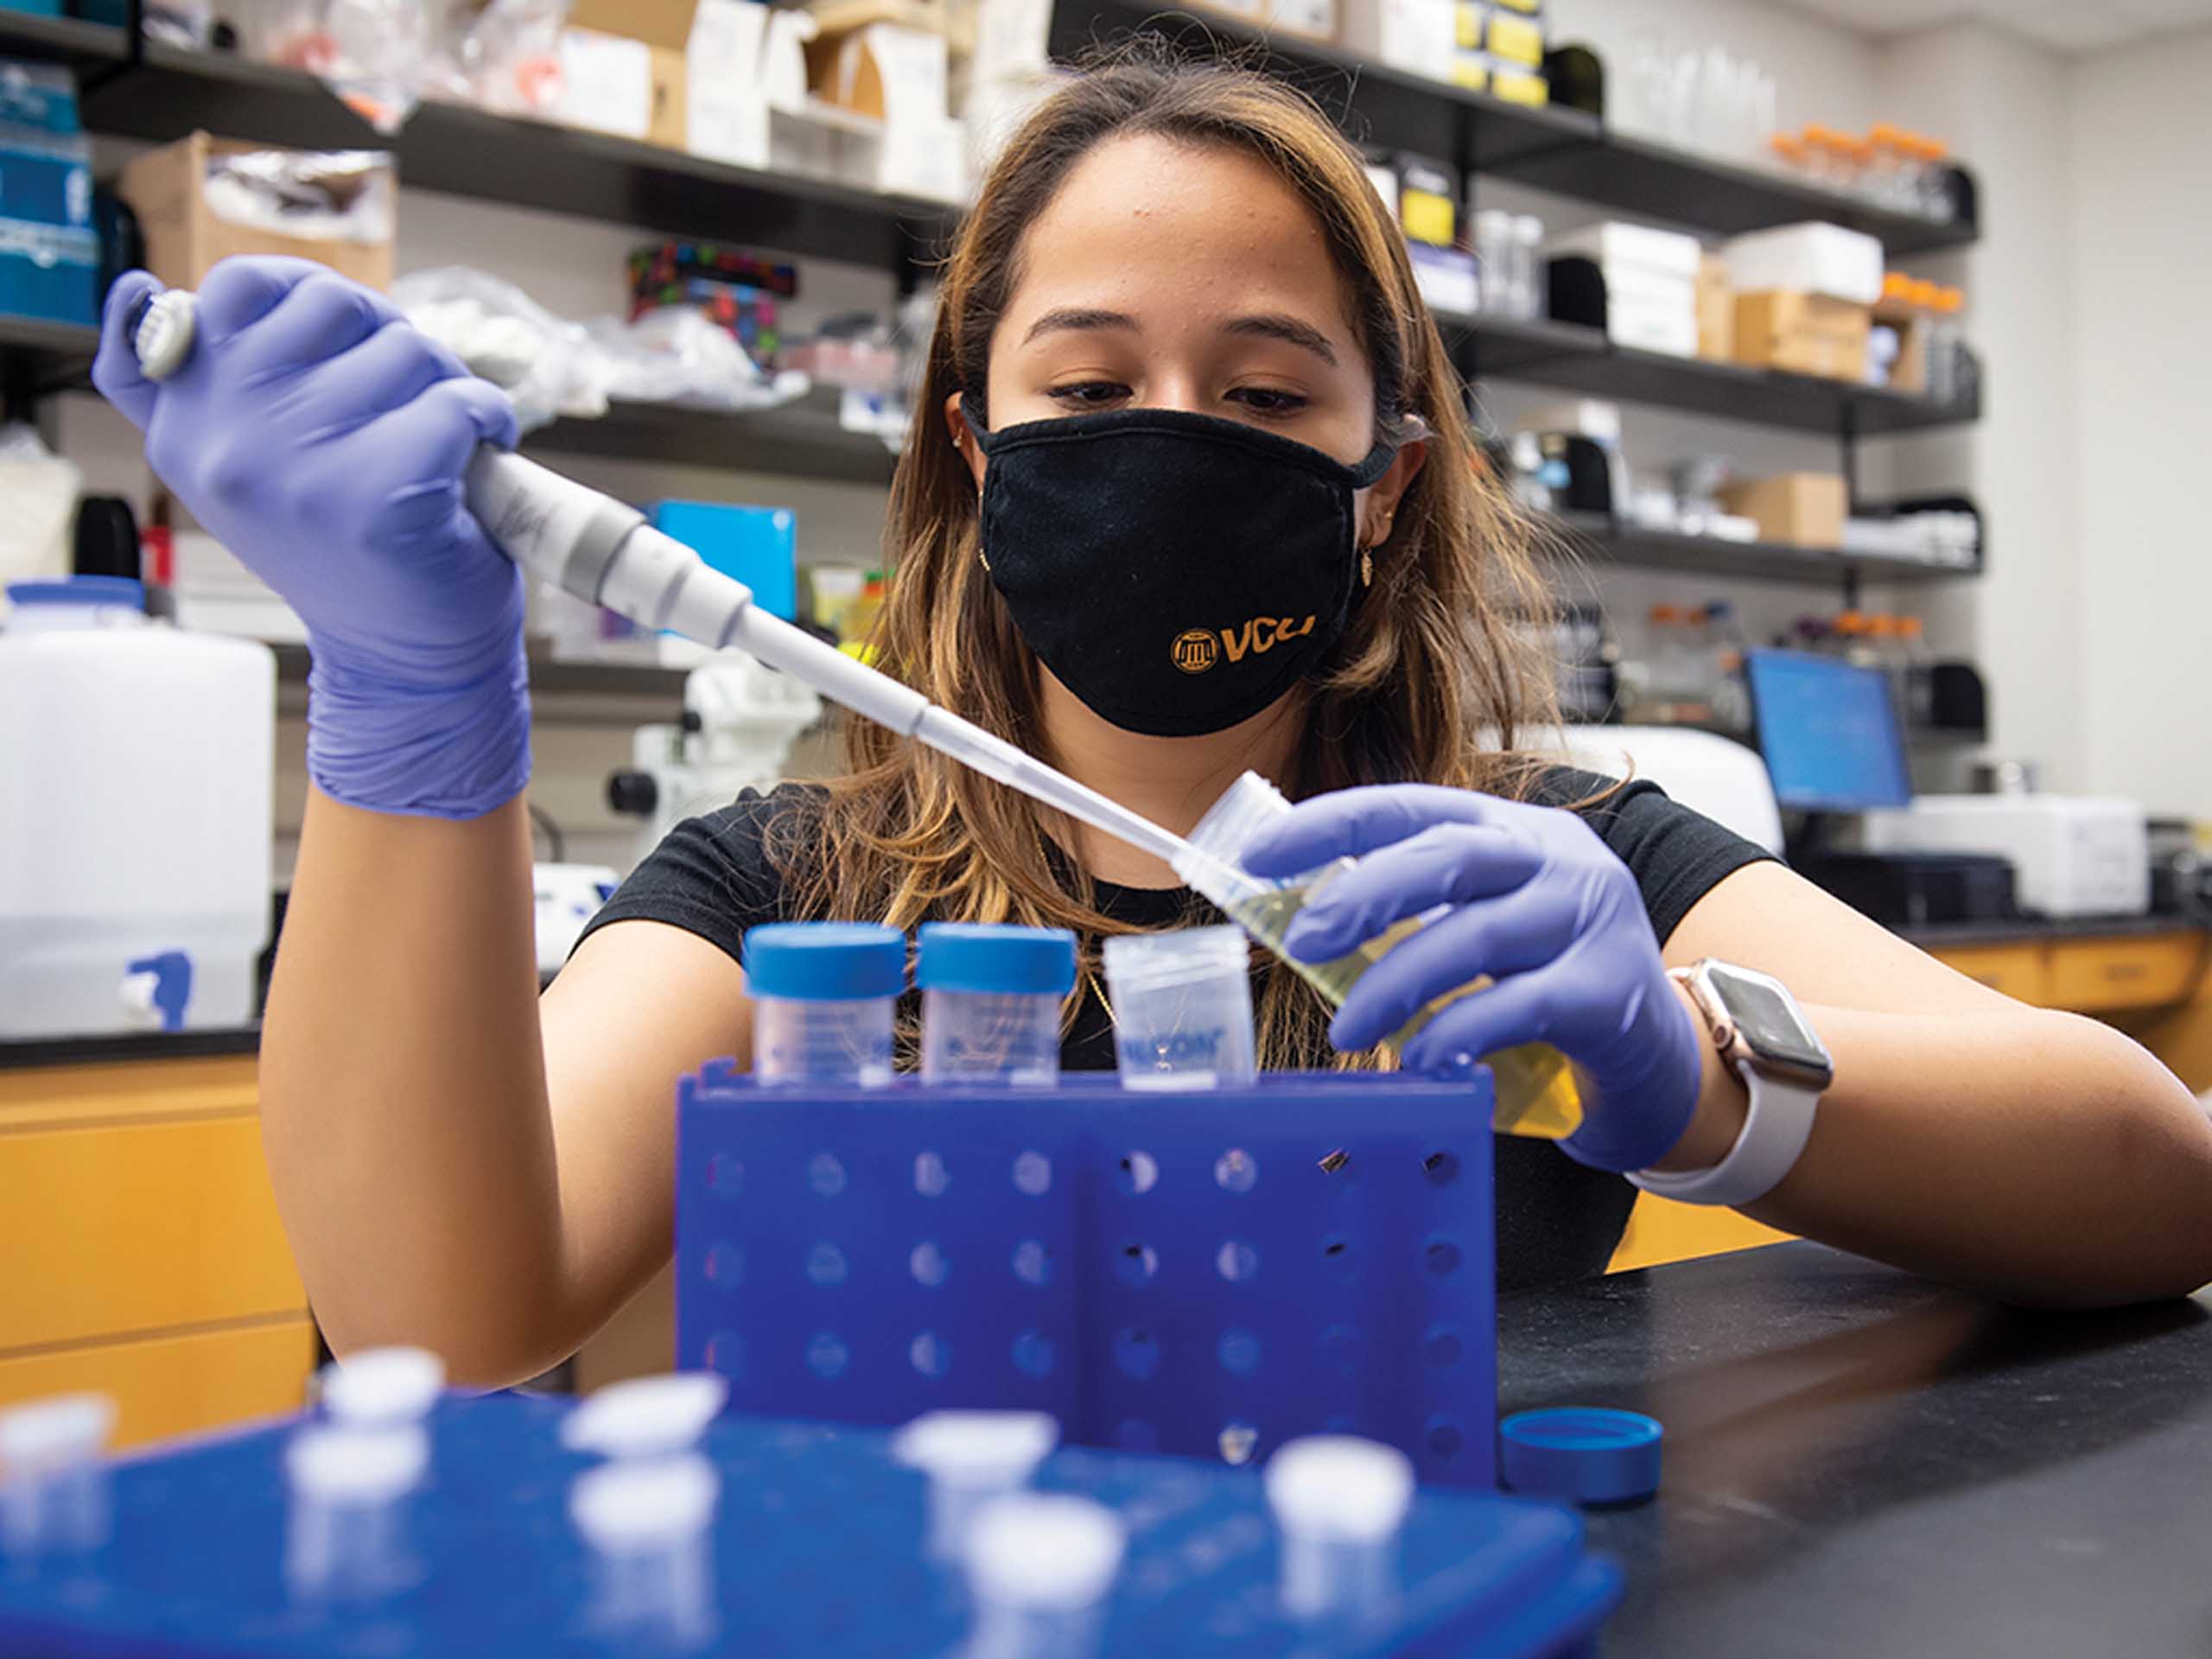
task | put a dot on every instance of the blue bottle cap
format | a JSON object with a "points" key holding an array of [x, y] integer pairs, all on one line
{"points": [[985, 956], [1586, 1454], [825, 962], [79, 590]]}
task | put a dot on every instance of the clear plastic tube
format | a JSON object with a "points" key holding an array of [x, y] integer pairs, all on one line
{"points": [[1537, 1092]]}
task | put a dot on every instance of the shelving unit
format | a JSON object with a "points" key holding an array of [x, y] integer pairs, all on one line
{"points": [[519, 162], [1581, 359], [1606, 541], [801, 439], [157, 92], [1562, 150]]}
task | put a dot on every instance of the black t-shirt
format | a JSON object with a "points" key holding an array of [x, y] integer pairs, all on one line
{"points": [[1557, 1220]]}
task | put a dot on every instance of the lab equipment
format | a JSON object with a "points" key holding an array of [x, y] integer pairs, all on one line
{"points": [[1182, 1004], [134, 871], [567, 896], [740, 718], [1583, 1454], [646, 1416], [603, 552], [1039, 1566], [382, 1388], [1340, 1503], [809, 1538], [1536, 1093], [991, 1001], [1829, 732], [971, 1458], [1202, 1273], [53, 1491], [2072, 854], [824, 995]]}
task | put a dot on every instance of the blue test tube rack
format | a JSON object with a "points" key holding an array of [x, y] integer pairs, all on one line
{"points": [[1209, 1274]]}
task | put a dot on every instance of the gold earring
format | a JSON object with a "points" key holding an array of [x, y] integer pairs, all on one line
{"points": [[1367, 567]]}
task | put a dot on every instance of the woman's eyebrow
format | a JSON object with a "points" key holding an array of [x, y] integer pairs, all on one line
{"points": [[1275, 326], [1078, 318]]}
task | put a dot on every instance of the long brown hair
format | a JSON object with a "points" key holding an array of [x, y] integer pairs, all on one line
{"points": [[1430, 675]]}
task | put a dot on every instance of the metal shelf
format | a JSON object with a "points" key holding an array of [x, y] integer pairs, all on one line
{"points": [[1581, 359], [61, 39], [1638, 175], [38, 357], [1630, 547], [523, 163], [1562, 150], [548, 677], [801, 439]]}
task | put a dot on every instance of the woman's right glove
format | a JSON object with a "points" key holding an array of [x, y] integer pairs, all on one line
{"points": [[322, 440]]}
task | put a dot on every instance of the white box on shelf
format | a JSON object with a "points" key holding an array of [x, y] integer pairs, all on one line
{"points": [[1652, 324], [1416, 36], [2071, 855], [726, 116], [1593, 417], [1811, 259], [607, 83], [923, 158], [1446, 277], [1619, 247]]}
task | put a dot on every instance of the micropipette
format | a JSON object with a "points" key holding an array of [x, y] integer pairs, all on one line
{"points": [[604, 552]]}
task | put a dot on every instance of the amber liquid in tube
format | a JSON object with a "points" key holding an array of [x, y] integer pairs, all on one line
{"points": [[1537, 1092]]}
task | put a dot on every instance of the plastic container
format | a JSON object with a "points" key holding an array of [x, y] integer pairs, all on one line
{"points": [[991, 999], [1182, 1008], [825, 995], [971, 1458], [134, 867], [1340, 1504], [1039, 1567], [1537, 1094]]}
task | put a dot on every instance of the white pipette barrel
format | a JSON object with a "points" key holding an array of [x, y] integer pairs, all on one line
{"points": [[604, 552]]}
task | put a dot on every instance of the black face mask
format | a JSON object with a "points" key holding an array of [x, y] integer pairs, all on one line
{"points": [[1177, 572]]}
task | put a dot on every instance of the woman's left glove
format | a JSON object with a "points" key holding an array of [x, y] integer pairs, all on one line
{"points": [[1540, 904]]}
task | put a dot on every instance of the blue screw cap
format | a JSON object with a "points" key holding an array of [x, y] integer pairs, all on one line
{"points": [[993, 958], [81, 590], [825, 962], [1584, 1454]]}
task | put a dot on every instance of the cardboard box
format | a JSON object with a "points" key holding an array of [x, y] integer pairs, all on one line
{"points": [[44, 177], [1716, 311], [1804, 334], [166, 187], [1416, 35], [1909, 371], [890, 73], [624, 69], [1804, 509]]}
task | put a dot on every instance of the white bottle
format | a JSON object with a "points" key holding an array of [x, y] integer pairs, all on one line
{"points": [[135, 870], [1531, 273]]}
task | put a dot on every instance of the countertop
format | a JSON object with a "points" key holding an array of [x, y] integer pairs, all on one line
{"points": [[2022, 929], [1858, 1462], [22, 1054]]}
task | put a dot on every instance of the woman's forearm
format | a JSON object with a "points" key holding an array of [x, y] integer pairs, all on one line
{"points": [[2041, 1156], [403, 1088]]}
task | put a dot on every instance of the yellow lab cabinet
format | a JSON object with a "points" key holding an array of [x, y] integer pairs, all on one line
{"points": [[144, 1255]]}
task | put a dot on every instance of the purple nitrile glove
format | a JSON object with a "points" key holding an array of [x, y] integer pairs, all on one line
{"points": [[322, 439], [1540, 905]]}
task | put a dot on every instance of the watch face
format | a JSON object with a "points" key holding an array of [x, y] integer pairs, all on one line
{"points": [[1769, 1020]]}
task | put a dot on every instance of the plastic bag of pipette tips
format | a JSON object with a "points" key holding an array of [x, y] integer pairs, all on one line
{"points": [[677, 355], [548, 366]]}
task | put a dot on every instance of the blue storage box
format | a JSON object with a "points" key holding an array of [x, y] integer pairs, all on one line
{"points": [[38, 95], [1210, 1273], [816, 1551], [757, 545], [48, 271], [45, 176]]}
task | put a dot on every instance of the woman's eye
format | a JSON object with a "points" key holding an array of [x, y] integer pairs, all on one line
{"points": [[1268, 400], [1089, 394]]}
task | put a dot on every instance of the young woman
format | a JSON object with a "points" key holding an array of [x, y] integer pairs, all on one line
{"points": [[1182, 389]]}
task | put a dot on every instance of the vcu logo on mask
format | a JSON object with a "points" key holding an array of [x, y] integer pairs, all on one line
{"points": [[1197, 650]]}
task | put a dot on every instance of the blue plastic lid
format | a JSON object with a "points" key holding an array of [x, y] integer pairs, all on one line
{"points": [[1586, 1454], [79, 590], [825, 962], [987, 956]]}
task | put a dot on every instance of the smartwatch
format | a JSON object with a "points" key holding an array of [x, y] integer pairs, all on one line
{"points": [[1765, 1040]]}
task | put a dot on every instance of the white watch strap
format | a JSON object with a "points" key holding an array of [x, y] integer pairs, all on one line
{"points": [[1775, 1133]]}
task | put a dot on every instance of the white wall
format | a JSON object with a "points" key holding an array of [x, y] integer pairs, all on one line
{"points": [[2141, 246]]}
